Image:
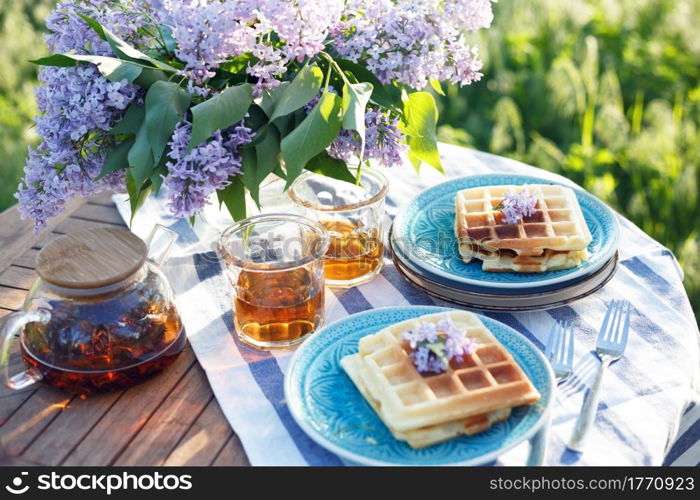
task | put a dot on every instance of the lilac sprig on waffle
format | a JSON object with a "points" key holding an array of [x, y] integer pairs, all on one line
{"points": [[434, 345], [515, 206]]}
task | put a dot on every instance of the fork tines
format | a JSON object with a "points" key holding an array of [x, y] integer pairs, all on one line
{"points": [[613, 332], [560, 347]]}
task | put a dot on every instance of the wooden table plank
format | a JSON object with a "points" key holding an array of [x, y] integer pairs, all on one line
{"points": [[231, 454], [27, 259], [72, 225], [76, 420], [170, 422], [99, 213], [203, 441], [17, 235], [12, 298], [115, 431], [32, 418], [104, 198], [18, 277], [10, 399]]}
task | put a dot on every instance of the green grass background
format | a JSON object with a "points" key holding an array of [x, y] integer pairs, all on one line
{"points": [[605, 92]]}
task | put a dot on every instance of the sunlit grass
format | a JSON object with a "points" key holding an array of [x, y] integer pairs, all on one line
{"points": [[604, 92]]}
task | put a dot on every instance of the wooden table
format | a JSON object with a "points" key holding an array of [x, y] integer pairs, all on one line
{"points": [[172, 419]]}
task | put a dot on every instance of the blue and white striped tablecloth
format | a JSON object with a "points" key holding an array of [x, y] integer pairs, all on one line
{"points": [[648, 413]]}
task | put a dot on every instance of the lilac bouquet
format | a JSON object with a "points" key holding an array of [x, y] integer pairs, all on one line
{"points": [[212, 96]]}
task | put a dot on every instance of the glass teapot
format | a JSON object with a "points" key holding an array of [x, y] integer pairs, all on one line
{"points": [[100, 317]]}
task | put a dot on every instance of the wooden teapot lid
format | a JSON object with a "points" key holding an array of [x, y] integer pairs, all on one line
{"points": [[92, 258]]}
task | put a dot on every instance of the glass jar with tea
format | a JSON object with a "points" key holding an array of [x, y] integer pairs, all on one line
{"points": [[354, 216], [101, 316]]}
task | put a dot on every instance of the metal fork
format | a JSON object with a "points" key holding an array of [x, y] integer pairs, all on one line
{"points": [[560, 353], [610, 346]]}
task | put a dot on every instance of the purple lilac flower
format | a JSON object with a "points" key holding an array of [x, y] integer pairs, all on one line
{"points": [[457, 344], [434, 345], [426, 332], [77, 105], [413, 41], [384, 141], [193, 177], [426, 361], [208, 32], [515, 206]]}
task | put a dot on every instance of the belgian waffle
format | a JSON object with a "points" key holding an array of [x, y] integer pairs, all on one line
{"points": [[557, 224], [508, 260], [425, 436], [485, 381]]}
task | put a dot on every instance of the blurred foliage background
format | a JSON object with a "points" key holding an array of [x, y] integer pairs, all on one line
{"points": [[605, 92], [21, 21]]}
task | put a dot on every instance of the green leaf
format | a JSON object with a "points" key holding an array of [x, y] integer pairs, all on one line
{"points": [[233, 196], [359, 72], [122, 48], [380, 94], [149, 76], [95, 26], [330, 167], [219, 112], [297, 117], [269, 97], [115, 70], [299, 92], [140, 156], [249, 162], [168, 38], [355, 99], [116, 159], [131, 121], [137, 194], [421, 115], [236, 64], [265, 159], [279, 172], [166, 105], [60, 60], [284, 124], [312, 136], [256, 118], [157, 176], [269, 152], [437, 86]]}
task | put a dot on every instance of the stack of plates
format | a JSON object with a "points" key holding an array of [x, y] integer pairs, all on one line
{"points": [[424, 249]]}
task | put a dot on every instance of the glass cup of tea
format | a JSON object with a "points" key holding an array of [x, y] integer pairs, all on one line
{"points": [[275, 265], [354, 215]]}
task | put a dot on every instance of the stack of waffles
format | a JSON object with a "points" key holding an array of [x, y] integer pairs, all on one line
{"points": [[554, 237], [425, 408]]}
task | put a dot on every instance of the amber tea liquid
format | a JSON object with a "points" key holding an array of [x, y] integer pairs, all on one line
{"points": [[279, 307], [353, 252], [110, 360]]}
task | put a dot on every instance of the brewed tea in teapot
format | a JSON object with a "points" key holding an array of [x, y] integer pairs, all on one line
{"points": [[100, 317]]}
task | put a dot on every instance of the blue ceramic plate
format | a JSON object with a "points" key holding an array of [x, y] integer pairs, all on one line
{"points": [[423, 236], [327, 405]]}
